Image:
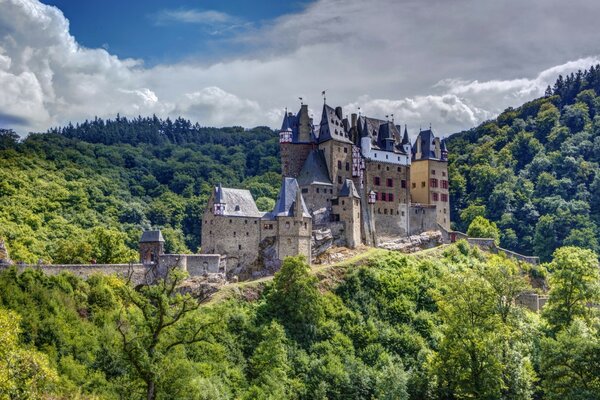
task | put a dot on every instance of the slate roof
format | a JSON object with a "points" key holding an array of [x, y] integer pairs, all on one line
{"points": [[381, 133], [238, 202], [332, 127], [152, 236], [291, 123], [286, 201], [405, 139], [427, 146], [348, 189], [314, 170]]}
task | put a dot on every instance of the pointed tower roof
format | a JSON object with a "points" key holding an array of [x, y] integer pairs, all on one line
{"points": [[405, 139], [443, 145], [349, 190], [219, 194], [152, 236], [426, 139], [314, 170], [286, 201]]}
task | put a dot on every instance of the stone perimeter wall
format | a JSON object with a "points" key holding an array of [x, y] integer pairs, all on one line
{"points": [[139, 273], [193, 264]]}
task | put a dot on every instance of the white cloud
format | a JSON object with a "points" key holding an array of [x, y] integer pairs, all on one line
{"points": [[425, 62], [208, 17]]}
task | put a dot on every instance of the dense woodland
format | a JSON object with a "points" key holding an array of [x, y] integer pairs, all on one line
{"points": [[85, 193], [398, 327], [534, 171]]}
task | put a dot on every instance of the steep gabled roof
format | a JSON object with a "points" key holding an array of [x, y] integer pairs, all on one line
{"points": [[348, 189], [152, 236], [314, 170], [332, 126], [425, 138], [286, 201], [238, 202]]}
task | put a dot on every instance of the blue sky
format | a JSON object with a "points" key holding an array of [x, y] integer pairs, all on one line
{"points": [[451, 64], [168, 31]]}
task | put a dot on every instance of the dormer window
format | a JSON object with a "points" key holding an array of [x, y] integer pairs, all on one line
{"points": [[219, 209], [237, 208]]}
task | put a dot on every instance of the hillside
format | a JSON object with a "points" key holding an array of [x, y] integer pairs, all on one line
{"points": [[534, 170], [441, 324], [85, 192]]}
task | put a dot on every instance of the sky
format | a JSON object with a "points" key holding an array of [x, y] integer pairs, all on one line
{"points": [[451, 64]]}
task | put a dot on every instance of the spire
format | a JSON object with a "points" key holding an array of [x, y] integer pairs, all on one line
{"points": [[405, 137], [219, 194]]}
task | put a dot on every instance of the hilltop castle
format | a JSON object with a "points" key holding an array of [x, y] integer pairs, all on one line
{"points": [[359, 179]]}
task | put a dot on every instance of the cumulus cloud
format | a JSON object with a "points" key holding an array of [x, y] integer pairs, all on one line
{"points": [[439, 62]]}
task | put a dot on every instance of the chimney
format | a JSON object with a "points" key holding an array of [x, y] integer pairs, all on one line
{"points": [[338, 113], [354, 118]]}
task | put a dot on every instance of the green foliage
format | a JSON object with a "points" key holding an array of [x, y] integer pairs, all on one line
{"points": [[58, 188], [574, 286], [480, 227], [536, 169], [395, 327]]}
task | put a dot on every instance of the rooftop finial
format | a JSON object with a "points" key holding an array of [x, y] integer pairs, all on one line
{"points": [[430, 126], [359, 114], [323, 93], [392, 118], [300, 98]]}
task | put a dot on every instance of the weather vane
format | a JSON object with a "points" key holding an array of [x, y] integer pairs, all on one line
{"points": [[301, 103], [323, 93]]}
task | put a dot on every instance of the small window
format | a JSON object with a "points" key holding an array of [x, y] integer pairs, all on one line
{"points": [[378, 166], [422, 184], [317, 190], [343, 203], [376, 181], [414, 185], [230, 221], [255, 222], [386, 157], [345, 150], [339, 164], [435, 196], [385, 211], [237, 208], [339, 179], [403, 184], [246, 221], [304, 190], [247, 233], [234, 234], [383, 197], [239, 247], [403, 213], [443, 173], [390, 182], [433, 172], [390, 196], [399, 168], [347, 166]]}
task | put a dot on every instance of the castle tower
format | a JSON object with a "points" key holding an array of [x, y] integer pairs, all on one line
{"points": [[296, 140], [294, 223], [429, 175], [347, 208], [406, 142], [151, 246]]}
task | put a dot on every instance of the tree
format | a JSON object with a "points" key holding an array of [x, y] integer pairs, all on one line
{"points": [[154, 321], [574, 286], [483, 228], [295, 300], [24, 373], [569, 363]]}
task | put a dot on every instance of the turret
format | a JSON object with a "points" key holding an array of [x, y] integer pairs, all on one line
{"points": [[444, 150], [219, 205], [405, 141], [151, 247], [285, 134]]}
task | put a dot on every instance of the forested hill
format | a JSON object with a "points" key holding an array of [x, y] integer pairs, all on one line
{"points": [[85, 192], [534, 170]]}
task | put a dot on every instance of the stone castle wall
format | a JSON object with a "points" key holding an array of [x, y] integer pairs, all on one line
{"points": [[422, 218]]}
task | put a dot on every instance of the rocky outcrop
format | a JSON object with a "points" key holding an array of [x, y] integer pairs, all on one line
{"points": [[322, 240], [4, 257], [202, 287], [412, 243]]}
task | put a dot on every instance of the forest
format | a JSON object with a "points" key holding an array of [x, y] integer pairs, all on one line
{"points": [[440, 326], [534, 170], [85, 193]]}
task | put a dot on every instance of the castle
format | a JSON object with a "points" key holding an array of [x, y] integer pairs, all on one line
{"points": [[360, 179]]}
